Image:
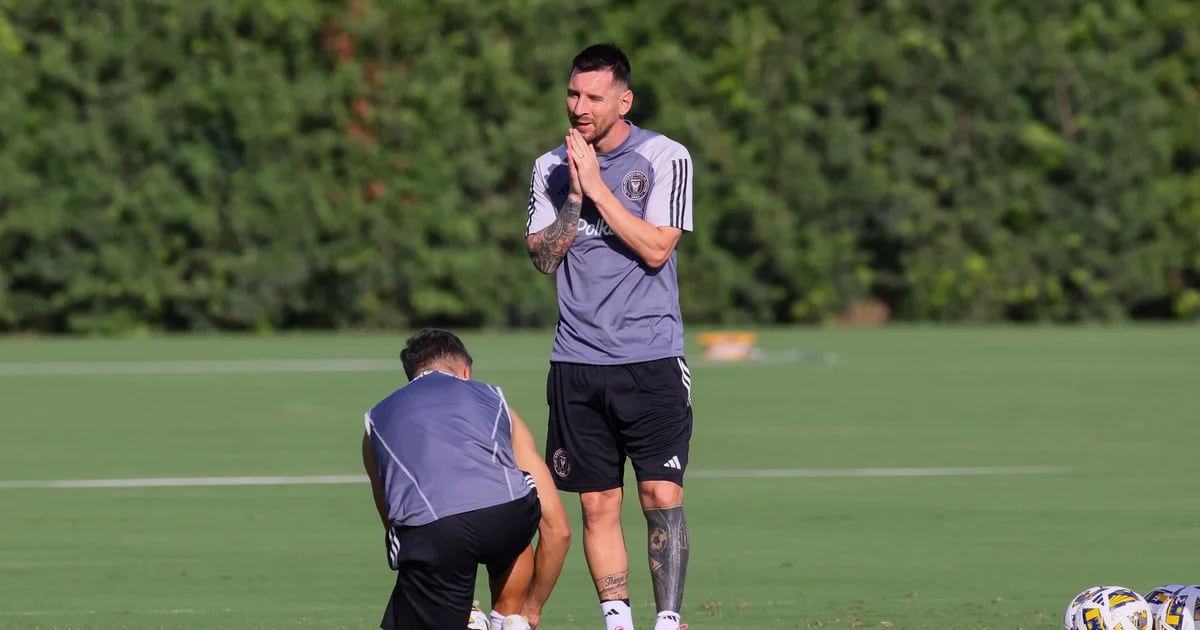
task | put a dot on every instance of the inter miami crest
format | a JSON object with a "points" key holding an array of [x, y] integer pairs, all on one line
{"points": [[562, 467], [635, 185]]}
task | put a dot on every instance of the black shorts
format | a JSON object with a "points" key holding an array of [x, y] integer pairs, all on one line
{"points": [[437, 563], [601, 414]]}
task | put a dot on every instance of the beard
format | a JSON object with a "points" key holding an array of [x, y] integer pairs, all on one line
{"points": [[597, 130]]}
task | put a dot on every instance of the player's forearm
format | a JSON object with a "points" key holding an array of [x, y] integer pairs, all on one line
{"points": [[654, 245], [549, 246], [548, 559]]}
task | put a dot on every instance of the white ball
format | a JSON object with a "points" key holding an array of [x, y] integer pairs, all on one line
{"points": [[1157, 598], [1073, 607], [1114, 608], [1181, 611]]}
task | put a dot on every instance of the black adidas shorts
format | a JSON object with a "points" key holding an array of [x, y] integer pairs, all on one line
{"points": [[437, 563], [601, 414]]}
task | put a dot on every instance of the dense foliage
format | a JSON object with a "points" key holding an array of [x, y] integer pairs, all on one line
{"points": [[254, 164]]}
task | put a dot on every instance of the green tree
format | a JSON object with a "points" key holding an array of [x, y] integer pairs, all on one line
{"points": [[276, 164]]}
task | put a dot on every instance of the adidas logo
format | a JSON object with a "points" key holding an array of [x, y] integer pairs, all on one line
{"points": [[673, 463], [611, 612]]}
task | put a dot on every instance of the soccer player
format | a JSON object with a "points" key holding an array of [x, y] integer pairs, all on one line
{"points": [[455, 472], [606, 210]]}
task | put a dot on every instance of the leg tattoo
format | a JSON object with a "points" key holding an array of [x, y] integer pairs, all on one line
{"points": [[668, 555], [613, 587]]}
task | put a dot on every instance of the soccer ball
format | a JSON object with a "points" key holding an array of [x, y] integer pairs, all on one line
{"points": [[1113, 608], [478, 620], [1181, 611], [1157, 597], [1073, 607]]}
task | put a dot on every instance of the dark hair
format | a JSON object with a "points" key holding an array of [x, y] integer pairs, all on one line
{"points": [[603, 57], [429, 346]]}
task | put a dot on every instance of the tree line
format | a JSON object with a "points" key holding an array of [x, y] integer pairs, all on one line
{"points": [[278, 164]]}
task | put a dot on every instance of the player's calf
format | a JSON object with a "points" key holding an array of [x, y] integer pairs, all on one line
{"points": [[668, 553]]}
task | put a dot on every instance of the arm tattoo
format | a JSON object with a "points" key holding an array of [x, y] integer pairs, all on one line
{"points": [[615, 586], [668, 556], [548, 247]]}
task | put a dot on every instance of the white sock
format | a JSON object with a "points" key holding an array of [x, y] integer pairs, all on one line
{"points": [[515, 622], [497, 621], [617, 615], [667, 620]]}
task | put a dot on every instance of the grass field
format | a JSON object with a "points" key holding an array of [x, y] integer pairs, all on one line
{"points": [[1079, 448]]}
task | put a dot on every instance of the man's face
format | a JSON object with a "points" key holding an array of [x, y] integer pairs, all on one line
{"points": [[595, 103]]}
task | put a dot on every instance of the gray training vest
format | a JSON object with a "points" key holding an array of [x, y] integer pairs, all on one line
{"points": [[444, 447], [612, 308]]}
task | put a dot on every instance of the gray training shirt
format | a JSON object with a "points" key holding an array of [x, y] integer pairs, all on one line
{"points": [[612, 308], [444, 447]]}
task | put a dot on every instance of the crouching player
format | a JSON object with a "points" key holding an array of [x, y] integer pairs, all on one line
{"points": [[459, 482]]}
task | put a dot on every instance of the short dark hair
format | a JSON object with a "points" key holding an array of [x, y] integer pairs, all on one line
{"points": [[429, 346], [606, 56]]}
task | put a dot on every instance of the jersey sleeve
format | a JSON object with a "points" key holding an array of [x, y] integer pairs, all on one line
{"points": [[670, 201], [541, 211]]}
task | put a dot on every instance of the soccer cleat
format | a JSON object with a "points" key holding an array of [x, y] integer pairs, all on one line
{"points": [[515, 622]]}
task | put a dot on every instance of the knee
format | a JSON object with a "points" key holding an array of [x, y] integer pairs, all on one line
{"points": [[657, 495], [601, 508]]}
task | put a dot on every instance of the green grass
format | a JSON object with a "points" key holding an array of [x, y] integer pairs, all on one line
{"points": [[1118, 406]]}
